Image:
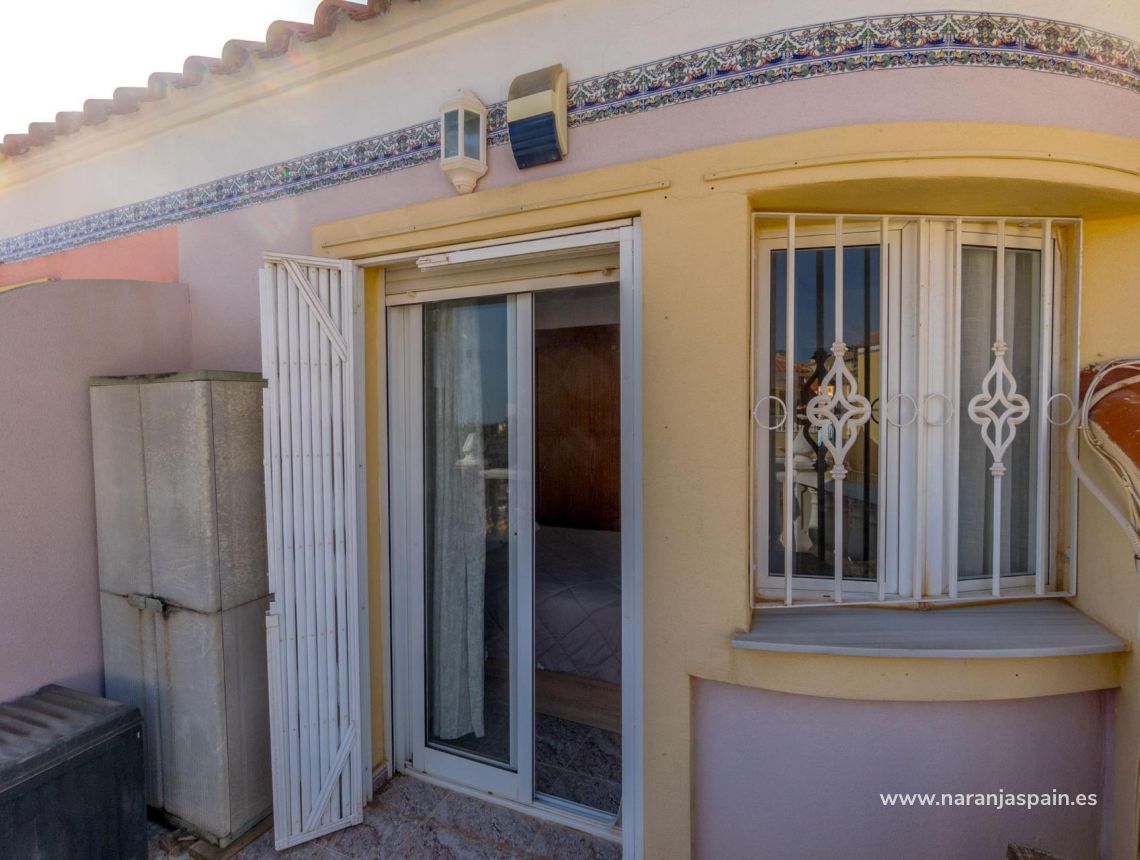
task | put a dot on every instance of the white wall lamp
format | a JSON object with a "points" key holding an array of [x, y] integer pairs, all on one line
{"points": [[463, 140]]}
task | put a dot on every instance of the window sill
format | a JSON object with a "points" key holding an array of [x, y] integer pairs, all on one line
{"points": [[1034, 628]]}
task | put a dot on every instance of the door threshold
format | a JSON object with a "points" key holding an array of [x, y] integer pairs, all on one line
{"points": [[584, 823]]}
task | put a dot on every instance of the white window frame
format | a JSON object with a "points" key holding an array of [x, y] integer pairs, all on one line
{"points": [[943, 507], [815, 236], [920, 289]]}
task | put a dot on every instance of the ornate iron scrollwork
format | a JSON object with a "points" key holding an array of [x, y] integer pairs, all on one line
{"points": [[998, 409], [840, 409]]}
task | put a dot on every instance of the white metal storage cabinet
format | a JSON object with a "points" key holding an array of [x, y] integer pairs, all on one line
{"points": [[183, 588]]}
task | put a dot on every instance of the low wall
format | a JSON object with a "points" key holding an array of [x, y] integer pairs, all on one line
{"points": [[54, 336], [783, 776]]}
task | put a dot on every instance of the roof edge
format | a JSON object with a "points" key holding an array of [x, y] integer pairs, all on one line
{"points": [[280, 36]]}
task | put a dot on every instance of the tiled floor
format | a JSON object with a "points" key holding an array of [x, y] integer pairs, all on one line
{"points": [[572, 761], [578, 762], [412, 819]]}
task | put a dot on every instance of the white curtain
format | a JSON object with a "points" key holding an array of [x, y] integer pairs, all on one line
{"points": [[457, 546], [1019, 488]]}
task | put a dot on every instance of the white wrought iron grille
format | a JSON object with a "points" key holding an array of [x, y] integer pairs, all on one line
{"points": [[909, 378]]}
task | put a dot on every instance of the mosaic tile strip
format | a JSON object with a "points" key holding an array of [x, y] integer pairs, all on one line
{"points": [[838, 47]]}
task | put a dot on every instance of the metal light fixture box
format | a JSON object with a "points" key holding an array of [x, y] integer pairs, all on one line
{"points": [[536, 117], [463, 140]]}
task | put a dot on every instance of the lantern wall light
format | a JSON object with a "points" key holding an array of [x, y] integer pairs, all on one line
{"points": [[463, 140]]}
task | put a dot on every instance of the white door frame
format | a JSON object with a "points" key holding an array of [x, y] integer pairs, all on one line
{"points": [[405, 344]]}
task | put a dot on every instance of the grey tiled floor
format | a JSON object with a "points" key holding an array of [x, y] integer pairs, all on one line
{"points": [[578, 762], [572, 761], [413, 819]]}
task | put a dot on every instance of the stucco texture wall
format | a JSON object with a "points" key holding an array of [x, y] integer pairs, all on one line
{"points": [[396, 70], [856, 143], [696, 256], [773, 771], [219, 256], [149, 256], [53, 337], [1109, 584], [696, 351]]}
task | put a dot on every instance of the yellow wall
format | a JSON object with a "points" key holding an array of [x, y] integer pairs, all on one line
{"points": [[696, 226], [1109, 584], [374, 387]]}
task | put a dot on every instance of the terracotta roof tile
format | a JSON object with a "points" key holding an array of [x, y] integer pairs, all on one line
{"points": [[1118, 414], [235, 54]]}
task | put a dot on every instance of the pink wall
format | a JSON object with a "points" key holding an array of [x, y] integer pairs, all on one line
{"points": [[219, 256], [149, 256], [782, 776], [52, 338], [64, 341]]}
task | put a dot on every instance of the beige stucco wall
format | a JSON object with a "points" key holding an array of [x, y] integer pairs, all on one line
{"points": [[1109, 585], [695, 209]]}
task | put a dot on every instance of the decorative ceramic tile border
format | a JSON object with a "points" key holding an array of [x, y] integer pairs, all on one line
{"points": [[839, 47]]}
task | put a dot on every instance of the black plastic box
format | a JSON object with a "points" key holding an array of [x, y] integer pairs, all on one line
{"points": [[71, 778]]}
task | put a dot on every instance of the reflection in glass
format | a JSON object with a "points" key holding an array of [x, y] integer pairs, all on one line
{"points": [[467, 426], [813, 491], [451, 134], [1019, 485], [471, 134], [577, 547]]}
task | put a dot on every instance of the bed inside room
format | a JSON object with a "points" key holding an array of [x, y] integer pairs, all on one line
{"points": [[577, 547]]}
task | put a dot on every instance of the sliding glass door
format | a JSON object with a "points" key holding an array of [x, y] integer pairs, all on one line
{"points": [[469, 568], [507, 544], [466, 548], [578, 549]]}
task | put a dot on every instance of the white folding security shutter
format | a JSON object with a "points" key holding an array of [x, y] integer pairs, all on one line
{"points": [[310, 320]]}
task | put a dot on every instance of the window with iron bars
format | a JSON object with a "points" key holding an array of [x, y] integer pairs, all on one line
{"points": [[910, 380]]}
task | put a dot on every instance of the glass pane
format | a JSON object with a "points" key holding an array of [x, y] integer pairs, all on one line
{"points": [[975, 483], [577, 588], [471, 134], [813, 489], [451, 134], [469, 582]]}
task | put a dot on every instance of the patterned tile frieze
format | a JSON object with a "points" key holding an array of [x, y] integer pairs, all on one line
{"points": [[838, 47], [942, 39]]}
